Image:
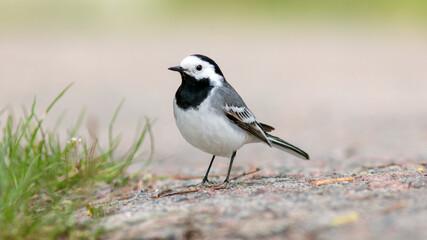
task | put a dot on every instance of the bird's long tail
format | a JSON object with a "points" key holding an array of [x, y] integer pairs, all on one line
{"points": [[287, 147]]}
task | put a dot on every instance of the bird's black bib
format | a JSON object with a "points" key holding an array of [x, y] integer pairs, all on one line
{"points": [[192, 92]]}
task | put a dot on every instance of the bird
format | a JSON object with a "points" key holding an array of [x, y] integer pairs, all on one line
{"points": [[212, 116]]}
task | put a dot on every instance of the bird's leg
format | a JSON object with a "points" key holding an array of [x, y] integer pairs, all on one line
{"points": [[229, 167], [205, 179]]}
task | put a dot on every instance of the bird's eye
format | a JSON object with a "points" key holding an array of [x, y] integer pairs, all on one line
{"points": [[199, 67]]}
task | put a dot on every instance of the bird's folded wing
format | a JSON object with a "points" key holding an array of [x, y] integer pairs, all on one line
{"points": [[246, 120]]}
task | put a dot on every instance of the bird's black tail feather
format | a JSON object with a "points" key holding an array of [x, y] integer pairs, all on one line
{"points": [[287, 147]]}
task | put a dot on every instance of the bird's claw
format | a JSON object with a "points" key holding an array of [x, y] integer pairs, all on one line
{"points": [[206, 182], [226, 182]]}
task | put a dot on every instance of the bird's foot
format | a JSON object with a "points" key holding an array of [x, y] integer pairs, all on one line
{"points": [[205, 183], [226, 182]]}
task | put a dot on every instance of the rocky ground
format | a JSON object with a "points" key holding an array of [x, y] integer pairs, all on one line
{"points": [[382, 202]]}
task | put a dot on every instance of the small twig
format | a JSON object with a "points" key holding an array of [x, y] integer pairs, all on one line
{"points": [[160, 195], [246, 173], [334, 180], [176, 193]]}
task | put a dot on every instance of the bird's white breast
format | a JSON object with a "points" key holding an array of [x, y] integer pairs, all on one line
{"points": [[211, 132]]}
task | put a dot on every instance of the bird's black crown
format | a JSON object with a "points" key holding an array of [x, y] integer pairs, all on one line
{"points": [[207, 59]]}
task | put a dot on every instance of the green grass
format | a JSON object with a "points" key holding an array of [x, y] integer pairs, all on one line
{"points": [[43, 182]]}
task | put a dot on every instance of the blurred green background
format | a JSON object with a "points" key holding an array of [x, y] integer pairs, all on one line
{"points": [[137, 14]]}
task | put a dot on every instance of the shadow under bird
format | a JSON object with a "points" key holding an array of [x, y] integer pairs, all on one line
{"points": [[213, 117]]}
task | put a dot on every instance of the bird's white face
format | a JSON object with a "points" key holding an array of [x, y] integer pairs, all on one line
{"points": [[199, 69]]}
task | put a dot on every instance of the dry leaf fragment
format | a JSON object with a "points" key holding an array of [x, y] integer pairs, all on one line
{"points": [[346, 219]]}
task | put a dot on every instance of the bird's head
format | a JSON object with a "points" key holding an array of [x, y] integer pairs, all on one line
{"points": [[198, 67]]}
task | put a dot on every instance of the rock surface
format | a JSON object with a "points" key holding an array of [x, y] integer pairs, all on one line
{"points": [[385, 202]]}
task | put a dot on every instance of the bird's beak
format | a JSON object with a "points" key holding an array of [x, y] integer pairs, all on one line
{"points": [[176, 68]]}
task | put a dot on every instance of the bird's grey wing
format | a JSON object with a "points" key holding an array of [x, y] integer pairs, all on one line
{"points": [[237, 111], [244, 118]]}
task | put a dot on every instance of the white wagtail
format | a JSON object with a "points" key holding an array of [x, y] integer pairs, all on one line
{"points": [[213, 117]]}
